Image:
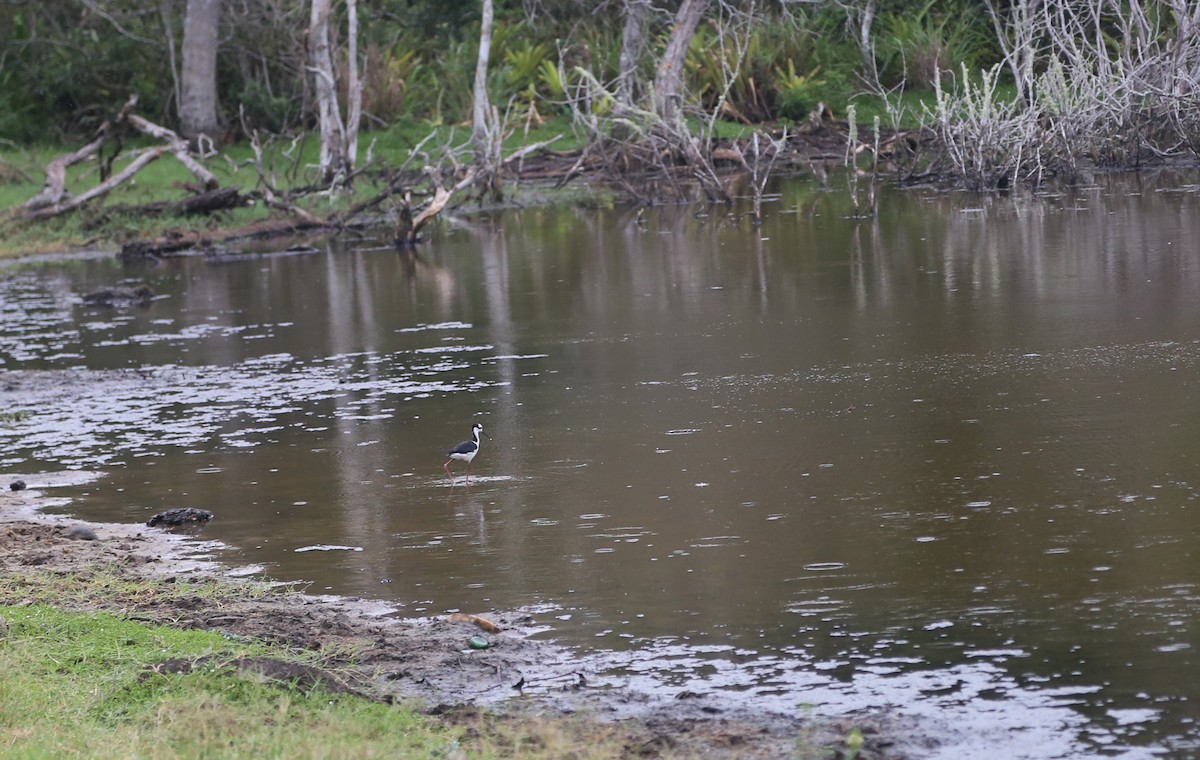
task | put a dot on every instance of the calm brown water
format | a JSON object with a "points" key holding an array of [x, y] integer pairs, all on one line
{"points": [[943, 462]]}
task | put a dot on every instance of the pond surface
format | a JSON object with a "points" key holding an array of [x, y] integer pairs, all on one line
{"points": [[942, 462]]}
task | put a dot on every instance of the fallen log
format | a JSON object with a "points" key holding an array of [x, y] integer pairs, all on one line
{"points": [[164, 246], [217, 199], [197, 242]]}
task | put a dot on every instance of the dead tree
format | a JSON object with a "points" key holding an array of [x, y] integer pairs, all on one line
{"points": [[339, 138], [485, 133], [633, 43], [54, 199], [668, 79]]}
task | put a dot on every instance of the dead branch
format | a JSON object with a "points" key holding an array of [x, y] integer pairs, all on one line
{"points": [[525, 151], [441, 197], [408, 226], [55, 188], [103, 188], [178, 147], [307, 217], [394, 186], [270, 195], [54, 198]]}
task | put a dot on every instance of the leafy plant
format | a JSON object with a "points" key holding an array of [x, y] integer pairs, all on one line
{"points": [[798, 93], [523, 65]]}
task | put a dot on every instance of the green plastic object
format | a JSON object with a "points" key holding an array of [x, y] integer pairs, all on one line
{"points": [[478, 642]]}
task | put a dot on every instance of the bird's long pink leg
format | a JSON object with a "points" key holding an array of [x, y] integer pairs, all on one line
{"points": [[468, 476], [446, 467]]}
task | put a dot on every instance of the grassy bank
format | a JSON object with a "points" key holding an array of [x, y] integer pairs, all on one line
{"points": [[85, 685], [83, 680], [290, 167], [287, 165]]}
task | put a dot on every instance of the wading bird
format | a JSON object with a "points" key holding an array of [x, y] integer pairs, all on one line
{"points": [[465, 452]]}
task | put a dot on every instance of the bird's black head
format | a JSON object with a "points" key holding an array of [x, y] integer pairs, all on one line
{"points": [[478, 428]]}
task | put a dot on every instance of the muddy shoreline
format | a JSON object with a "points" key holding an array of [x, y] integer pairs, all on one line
{"points": [[429, 660]]}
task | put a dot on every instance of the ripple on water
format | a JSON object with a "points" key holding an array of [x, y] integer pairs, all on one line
{"points": [[82, 414], [974, 704], [327, 548]]}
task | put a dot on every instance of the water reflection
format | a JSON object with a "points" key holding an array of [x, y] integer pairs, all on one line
{"points": [[939, 460]]}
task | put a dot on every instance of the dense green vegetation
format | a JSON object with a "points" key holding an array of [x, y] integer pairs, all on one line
{"points": [[67, 65], [1000, 94]]}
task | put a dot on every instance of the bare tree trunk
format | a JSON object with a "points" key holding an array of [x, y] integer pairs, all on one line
{"points": [[332, 156], [198, 91], [633, 43], [354, 114], [339, 139], [485, 137], [668, 81], [482, 121]]}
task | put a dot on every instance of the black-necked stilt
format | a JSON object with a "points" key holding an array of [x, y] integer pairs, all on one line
{"points": [[465, 452]]}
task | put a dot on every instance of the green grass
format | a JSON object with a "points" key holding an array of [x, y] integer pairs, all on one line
{"points": [[81, 685], [909, 105]]}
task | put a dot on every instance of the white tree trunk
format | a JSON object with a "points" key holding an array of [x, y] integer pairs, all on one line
{"points": [[198, 88], [481, 134], [354, 115], [339, 139], [333, 132], [668, 81]]}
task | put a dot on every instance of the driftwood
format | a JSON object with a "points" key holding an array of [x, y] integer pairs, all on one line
{"points": [[54, 199]]}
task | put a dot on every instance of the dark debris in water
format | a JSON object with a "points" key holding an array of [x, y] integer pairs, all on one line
{"points": [[180, 516], [120, 296]]}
